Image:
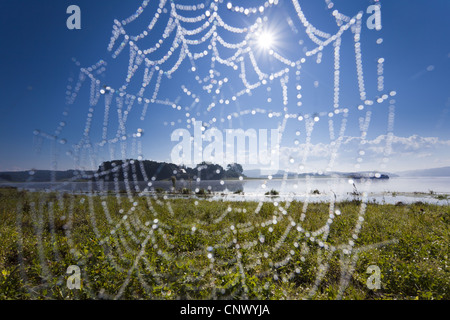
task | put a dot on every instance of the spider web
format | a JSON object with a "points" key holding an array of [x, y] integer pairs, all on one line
{"points": [[209, 77]]}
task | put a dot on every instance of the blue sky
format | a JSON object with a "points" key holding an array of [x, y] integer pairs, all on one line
{"points": [[41, 60]]}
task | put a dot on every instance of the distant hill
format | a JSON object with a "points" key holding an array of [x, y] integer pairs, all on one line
{"points": [[433, 172], [139, 170], [42, 175], [255, 173], [118, 169]]}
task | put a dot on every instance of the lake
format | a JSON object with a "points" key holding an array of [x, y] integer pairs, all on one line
{"points": [[393, 190]]}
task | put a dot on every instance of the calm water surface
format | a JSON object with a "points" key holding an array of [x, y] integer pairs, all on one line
{"points": [[391, 190]]}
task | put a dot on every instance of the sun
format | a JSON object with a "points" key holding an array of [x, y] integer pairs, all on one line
{"points": [[265, 40]]}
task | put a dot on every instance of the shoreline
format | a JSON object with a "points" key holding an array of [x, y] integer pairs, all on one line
{"points": [[380, 198]]}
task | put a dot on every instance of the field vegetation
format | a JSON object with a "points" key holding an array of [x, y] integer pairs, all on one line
{"points": [[150, 248]]}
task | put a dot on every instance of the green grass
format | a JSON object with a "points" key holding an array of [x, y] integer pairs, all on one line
{"points": [[131, 255]]}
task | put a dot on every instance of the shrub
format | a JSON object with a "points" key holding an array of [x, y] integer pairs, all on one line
{"points": [[201, 192], [272, 192]]}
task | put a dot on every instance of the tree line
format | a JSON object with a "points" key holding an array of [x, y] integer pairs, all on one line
{"points": [[143, 170]]}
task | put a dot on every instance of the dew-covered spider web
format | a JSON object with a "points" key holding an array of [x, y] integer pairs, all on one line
{"points": [[172, 64]]}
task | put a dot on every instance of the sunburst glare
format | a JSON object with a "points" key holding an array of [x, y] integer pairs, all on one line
{"points": [[265, 40]]}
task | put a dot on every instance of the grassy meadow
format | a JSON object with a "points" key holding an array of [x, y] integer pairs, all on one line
{"points": [[145, 247]]}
